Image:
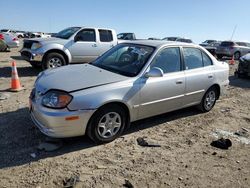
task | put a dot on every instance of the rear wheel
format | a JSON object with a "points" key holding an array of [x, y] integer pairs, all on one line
{"points": [[107, 124], [237, 55], [208, 100], [53, 60]]}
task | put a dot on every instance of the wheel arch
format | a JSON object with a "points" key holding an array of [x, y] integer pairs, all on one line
{"points": [[217, 87], [116, 103], [56, 51]]}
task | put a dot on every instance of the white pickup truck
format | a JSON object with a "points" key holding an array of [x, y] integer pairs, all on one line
{"points": [[71, 45]]}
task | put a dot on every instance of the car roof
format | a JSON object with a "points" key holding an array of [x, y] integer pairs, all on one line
{"points": [[159, 43]]}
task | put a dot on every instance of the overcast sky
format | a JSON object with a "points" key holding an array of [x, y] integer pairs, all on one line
{"points": [[195, 19]]}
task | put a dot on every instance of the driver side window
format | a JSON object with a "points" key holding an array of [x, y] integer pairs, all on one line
{"points": [[168, 60], [86, 35]]}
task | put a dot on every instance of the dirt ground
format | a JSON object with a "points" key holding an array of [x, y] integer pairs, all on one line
{"points": [[185, 158]]}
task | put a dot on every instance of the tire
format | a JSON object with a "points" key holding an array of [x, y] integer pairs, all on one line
{"points": [[219, 56], [100, 127], [53, 60], [35, 64], [237, 55], [208, 100]]}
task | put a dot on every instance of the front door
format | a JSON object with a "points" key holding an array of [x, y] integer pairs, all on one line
{"points": [[85, 46], [163, 94]]}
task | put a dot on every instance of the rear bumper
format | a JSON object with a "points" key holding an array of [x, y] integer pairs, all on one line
{"points": [[28, 55], [224, 87], [13, 44]]}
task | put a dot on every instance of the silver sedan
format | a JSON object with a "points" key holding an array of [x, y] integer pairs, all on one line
{"points": [[132, 81]]}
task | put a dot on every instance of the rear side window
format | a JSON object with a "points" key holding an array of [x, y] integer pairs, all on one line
{"points": [[206, 60], [226, 44], [105, 35], [168, 60], [241, 43], [87, 35], [192, 58]]}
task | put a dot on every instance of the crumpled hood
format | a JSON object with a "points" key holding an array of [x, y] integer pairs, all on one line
{"points": [[75, 77], [48, 40]]}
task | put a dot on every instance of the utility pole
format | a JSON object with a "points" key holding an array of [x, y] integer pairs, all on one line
{"points": [[235, 27]]}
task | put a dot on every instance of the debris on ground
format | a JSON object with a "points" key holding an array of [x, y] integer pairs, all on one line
{"points": [[144, 143], [50, 144], [33, 155], [222, 143], [225, 110], [71, 182], [241, 136], [4, 96], [243, 132], [128, 184]]}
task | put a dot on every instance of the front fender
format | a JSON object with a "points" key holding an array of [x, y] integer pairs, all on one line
{"points": [[46, 48], [126, 93]]}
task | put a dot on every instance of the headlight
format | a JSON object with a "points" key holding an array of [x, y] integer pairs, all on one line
{"points": [[36, 45], [56, 99]]}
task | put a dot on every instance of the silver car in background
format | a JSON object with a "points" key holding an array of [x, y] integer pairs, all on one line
{"points": [[131, 81], [231, 48], [11, 40]]}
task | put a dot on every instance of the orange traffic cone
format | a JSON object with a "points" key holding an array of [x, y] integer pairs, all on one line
{"points": [[15, 83], [232, 61]]}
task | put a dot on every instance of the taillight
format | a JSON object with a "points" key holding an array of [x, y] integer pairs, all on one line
{"points": [[1, 36]]}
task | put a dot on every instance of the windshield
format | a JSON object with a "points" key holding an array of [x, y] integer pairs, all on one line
{"points": [[66, 33], [125, 59]]}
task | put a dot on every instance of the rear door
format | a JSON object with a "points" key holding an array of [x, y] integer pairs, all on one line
{"points": [[106, 39], [199, 74], [85, 47]]}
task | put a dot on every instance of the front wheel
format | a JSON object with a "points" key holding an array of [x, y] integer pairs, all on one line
{"points": [[237, 55], [53, 60], [107, 124], [208, 100]]}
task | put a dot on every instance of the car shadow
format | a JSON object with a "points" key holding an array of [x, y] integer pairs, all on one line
{"points": [[19, 138], [17, 57], [239, 82], [22, 71]]}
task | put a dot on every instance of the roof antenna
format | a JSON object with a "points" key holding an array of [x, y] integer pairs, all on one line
{"points": [[235, 27]]}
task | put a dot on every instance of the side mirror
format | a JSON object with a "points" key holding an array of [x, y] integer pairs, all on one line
{"points": [[154, 72]]}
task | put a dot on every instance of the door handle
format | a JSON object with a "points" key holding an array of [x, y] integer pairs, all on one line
{"points": [[210, 76], [179, 82], [94, 45]]}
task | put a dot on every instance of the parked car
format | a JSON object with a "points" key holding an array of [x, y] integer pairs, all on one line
{"points": [[40, 35], [184, 40], [131, 81], [19, 34], [211, 47], [208, 42], [153, 38], [10, 40], [3, 45], [126, 36], [71, 45], [232, 48], [244, 66], [171, 38]]}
